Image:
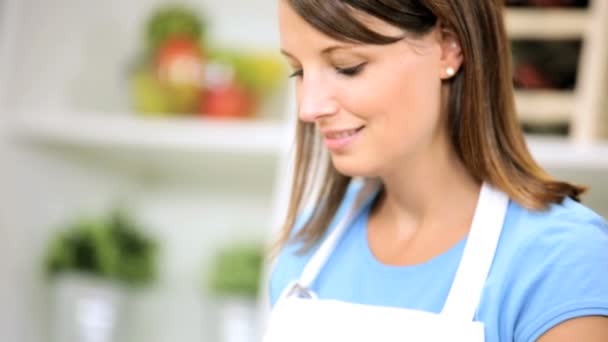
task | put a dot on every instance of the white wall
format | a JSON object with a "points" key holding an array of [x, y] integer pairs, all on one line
{"points": [[76, 52], [73, 54], [43, 193]]}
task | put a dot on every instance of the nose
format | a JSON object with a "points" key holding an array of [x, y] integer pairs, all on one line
{"points": [[316, 99]]}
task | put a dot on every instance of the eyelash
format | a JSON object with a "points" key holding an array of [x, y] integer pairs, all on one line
{"points": [[297, 73], [348, 72]]}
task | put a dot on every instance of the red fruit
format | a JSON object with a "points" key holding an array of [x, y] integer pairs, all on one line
{"points": [[180, 60], [529, 76], [228, 101], [177, 46]]}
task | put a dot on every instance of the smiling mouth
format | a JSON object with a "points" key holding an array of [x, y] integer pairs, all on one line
{"points": [[337, 141], [343, 134]]}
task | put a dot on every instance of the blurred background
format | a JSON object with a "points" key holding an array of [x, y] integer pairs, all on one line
{"points": [[145, 149]]}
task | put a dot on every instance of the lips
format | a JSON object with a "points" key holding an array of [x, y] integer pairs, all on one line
{"points": [[338, 140]]}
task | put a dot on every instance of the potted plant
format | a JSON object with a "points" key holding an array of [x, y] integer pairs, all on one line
{"points": [[234, 281], [92, 264]]}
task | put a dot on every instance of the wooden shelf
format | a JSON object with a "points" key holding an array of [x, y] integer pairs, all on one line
{"points": [[585, 112], [545, 106], [126, 130], [544, 23]]}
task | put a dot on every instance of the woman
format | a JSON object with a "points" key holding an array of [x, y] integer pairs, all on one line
{"points": [[431, 221]]}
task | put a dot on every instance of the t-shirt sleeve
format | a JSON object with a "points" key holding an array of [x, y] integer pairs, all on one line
{"points": [[570, 280]]}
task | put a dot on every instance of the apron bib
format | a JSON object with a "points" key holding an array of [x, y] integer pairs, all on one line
{"points": [[299, 315]]}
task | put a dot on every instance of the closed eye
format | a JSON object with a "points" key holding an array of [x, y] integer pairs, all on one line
{"points": [[353, 71]]}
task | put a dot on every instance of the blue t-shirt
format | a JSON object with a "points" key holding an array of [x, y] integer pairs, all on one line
{"points": [[549, 267]]}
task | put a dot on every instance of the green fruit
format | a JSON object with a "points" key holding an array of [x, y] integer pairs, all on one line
{"points": [[260, 72], [149, 95], [183, 98], [268, 71]]}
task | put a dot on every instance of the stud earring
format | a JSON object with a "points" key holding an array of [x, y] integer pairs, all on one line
{"points": [[450, 71]]}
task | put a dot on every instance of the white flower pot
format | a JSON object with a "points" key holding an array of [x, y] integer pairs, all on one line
{"points": [[86, 309], [238, 320]]}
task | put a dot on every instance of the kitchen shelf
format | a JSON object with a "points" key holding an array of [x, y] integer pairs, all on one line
{"points": [[563, 153], [194, 150], [114, 134], [132, 131], [545, 106], [544, 23]]}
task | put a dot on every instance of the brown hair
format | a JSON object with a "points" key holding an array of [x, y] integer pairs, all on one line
{"points": [[483, 124]]}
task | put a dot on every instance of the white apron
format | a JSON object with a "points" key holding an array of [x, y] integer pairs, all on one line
{"points": [[300, 316]]}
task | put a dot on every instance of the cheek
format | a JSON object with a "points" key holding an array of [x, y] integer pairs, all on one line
{"points": [[400, 102], [412, 99]]}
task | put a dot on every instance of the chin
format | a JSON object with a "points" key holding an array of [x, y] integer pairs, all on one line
{"points": [[354, 167]]}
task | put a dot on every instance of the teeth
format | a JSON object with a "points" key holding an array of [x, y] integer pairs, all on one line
{"points": [[342, 135]]}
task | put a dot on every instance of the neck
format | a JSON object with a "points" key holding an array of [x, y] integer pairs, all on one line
{"points": [[430, 190]]}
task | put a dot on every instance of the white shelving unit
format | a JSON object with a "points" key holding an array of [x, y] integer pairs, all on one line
{"points": [[562, 154], [114, 133], [585, 108], [134, 131], [155, 148]]}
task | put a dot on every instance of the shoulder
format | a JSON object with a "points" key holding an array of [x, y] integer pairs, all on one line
{"points": [[553, 264], [290, 262], [567, 230]]}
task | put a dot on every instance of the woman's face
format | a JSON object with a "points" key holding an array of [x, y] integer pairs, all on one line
{"points": [[376, 106]]}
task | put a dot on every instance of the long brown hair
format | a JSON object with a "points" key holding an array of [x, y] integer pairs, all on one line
{"points": [[483, 124]]}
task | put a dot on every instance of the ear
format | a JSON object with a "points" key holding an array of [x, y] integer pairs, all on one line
{"points": [[451, 53]]}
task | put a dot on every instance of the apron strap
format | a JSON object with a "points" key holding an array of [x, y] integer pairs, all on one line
{"points": [[478, 255], [319, 259]]}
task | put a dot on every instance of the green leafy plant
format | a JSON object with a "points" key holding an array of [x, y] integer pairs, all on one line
{"points": [[236, 271], [112, 248], [171, 21]]}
